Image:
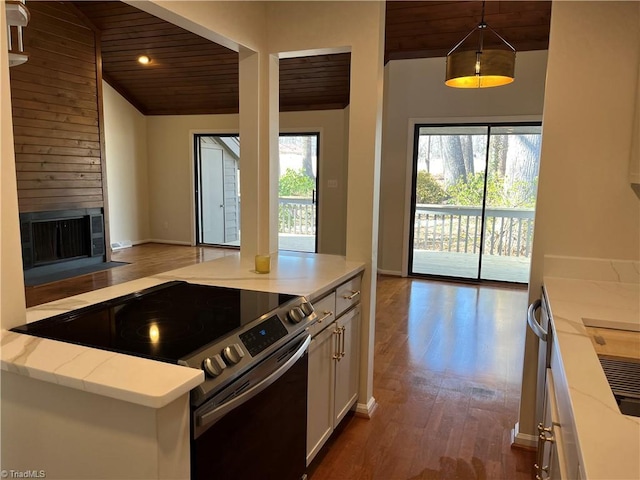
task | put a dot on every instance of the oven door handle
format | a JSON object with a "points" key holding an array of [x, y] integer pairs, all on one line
{"points": [[533, 323], [214, 415]]}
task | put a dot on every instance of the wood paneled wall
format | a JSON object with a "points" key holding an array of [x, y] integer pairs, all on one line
{"points": [[56, 100]]}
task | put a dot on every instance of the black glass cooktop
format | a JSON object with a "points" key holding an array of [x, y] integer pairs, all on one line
{"points": [[166, 322]]}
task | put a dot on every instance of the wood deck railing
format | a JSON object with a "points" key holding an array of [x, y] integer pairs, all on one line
{"points": [[450, 228], [439, 228], [296, 216]]}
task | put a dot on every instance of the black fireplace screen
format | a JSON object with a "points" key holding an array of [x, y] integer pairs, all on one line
{"points": [[60, 239]]}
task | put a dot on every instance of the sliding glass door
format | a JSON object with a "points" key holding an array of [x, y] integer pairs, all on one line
{"points": [[298, 192], [473, 201]]}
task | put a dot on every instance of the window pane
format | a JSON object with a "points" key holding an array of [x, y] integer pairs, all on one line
{"points": [[297, 192]]}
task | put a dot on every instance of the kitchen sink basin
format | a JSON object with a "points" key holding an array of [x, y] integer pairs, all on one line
{"points": [[623, 376]]}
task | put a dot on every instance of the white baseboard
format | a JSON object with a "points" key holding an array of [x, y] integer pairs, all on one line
{"points": [[520, 439], [115, 246], [393, 273], [366, 410], [169, 242]]}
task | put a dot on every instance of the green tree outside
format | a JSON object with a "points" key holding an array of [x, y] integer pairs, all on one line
{"points": [[295, 183], [428, 190]]}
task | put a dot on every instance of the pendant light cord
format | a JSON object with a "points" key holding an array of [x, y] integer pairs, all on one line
{"points": [[481, 26]]}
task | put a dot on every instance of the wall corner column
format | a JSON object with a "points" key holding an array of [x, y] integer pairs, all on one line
{"points": [[259, 129], [12, 297], [363, 194]]}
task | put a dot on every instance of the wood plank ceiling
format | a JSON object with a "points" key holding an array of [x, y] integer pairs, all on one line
{"points": [[191, 75]]}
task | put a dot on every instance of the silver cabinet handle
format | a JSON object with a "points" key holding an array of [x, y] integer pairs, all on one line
{"points": [[217, 413], [533, 323], [354, 294], [342, 329]]}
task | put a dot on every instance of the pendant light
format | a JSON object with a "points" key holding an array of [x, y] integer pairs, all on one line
{"points": [[481, 68]]}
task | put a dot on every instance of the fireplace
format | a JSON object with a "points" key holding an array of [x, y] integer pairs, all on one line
{"points": [[60, 240]]}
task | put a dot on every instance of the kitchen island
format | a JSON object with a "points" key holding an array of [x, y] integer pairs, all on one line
{"points": [[79, 412], [607, 443]]}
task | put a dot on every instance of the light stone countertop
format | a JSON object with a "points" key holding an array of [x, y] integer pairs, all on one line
{"points": [[147, 382], [608, 441]]}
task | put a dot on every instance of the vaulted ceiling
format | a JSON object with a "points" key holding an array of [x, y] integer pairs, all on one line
{"points": [[191, 75]]}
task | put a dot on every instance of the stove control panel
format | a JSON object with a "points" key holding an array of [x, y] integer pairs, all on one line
{"points": [[231, 356], [263, 335]]}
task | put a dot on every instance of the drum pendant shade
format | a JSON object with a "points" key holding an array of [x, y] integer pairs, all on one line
{"points": [[496, 67], [480, 68]]}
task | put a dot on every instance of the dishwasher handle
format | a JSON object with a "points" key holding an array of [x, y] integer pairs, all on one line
{"points": [[217, 413], [533, 323]]}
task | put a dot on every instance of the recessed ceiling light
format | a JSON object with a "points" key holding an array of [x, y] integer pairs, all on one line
{"points": [[144, 60]]}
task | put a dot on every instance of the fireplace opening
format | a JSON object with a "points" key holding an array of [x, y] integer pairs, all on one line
{"points": [[59, 240]]}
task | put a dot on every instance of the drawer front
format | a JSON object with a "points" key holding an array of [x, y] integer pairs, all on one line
{"points": [[326, 312], [348, 294]]}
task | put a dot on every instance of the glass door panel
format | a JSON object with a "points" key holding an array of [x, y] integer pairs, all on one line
{"points": [[473, 201], [514, 162], [448, 201], [297, 192]]}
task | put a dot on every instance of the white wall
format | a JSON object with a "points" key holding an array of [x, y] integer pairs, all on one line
{"points": [[586, 207], [150, 156], [415, 90], [171, 190], [126, 166], [332, 165]]}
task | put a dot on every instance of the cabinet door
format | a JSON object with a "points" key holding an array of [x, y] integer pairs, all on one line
{"points": [[347, 363], [551, 457], [320, 391], [546, 457]]}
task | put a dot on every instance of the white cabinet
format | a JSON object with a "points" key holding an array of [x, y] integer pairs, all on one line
{"points": [[334, 363], [552, 463], [558, 457], [320, 391], [347, 362]]}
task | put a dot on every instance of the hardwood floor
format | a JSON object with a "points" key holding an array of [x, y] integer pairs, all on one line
{"points": [[446, 377], [144, 260], [447, 381]]}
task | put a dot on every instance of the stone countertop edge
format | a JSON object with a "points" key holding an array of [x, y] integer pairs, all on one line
{"points": [[124, 377], [608, 441], [148, 382]]}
